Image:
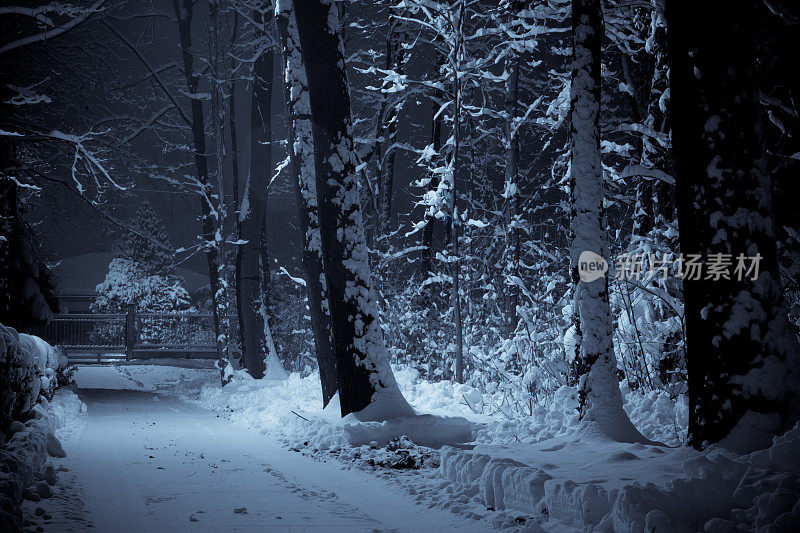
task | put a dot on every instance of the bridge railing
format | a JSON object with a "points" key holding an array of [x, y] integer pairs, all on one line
{"points": [[192, 332], [95, 337]]}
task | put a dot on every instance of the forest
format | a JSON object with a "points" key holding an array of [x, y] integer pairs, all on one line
{"points": [[536, 262]]}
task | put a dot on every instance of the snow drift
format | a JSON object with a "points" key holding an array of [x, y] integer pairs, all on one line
{"points": [[572, 482]]}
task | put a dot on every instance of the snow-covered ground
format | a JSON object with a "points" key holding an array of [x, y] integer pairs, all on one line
{"points": [[539, 471], [139, 461], [188, 457]]}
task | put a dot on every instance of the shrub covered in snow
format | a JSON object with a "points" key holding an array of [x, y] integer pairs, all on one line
{"points": [[141, 272], [128, 282], [29, 367], [30, 370]]}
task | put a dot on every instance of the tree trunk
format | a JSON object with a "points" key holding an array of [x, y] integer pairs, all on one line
{"points": [[211, 237], [511, 191], [218, 126], [455, 261], [394, 61], [742, 358], [366, 382], [654, 198], [301, 154], [596, 368], [430, 220], [253, 269], [236, 192]]}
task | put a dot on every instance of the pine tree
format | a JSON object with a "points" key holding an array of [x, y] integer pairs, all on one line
{"points": [[145, 242], [27, 292], [142, 271]]}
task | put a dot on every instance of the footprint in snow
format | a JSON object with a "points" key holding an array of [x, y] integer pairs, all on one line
{"points": [[623, 456]]}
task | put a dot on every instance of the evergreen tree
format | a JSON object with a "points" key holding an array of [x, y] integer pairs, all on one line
{"points": [[142, 271], [145, 242], [27, 292]]}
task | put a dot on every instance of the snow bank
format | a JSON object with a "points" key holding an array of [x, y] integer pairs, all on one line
{"points": [[657, 416], [539, 470], [423, 429], [654, 414], [291, 411], [152, 376], [571, 482], [441, 397]]}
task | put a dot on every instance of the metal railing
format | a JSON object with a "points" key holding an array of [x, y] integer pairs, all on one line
{"points": [[90, 338]]}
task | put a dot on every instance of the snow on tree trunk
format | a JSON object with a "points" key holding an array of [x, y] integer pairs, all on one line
{"points": [[742, 357], [217, 121], [366, 383], [456, 57], [600, 398], [211, 234], [301, 153], [433, 184]]}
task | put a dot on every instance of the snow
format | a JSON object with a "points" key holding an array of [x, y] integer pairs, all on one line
{"points": [[147, 376], [186, 455], [165, 465], [544, 470], [24, 455], [590, 484]]}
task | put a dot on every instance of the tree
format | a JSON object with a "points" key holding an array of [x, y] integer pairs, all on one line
{"points": [[141, 272], [599, 394], [28, 292], [448, 22], [211, 235], [130, 283], [366, 383], [145, 241], [742, 357], [253, 273], [33, 145], [301, 154], [395, 61]]}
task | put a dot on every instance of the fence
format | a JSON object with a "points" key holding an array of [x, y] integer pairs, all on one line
{"points": [[99, 338]]}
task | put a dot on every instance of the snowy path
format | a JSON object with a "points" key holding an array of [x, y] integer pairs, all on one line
{"points": [[155, 463]]}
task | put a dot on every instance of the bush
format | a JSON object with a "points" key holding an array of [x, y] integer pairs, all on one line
{"points": [[29, 368]]}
